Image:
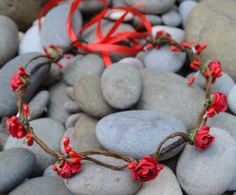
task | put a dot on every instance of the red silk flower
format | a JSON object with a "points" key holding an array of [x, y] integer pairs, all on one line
{"points": [[146, 169], [218, 104], [214, 70], [15, 128], [67, 169], [203, 139], [18, 79]]}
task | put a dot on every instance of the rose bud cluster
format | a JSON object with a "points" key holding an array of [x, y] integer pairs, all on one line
{"points": [[218, 103], [15, 127], [71, 164], [146, 169], [213, 69], [203, 139], [18, 79]]}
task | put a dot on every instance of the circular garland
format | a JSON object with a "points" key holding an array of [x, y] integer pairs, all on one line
{"points": [[142, 170]]}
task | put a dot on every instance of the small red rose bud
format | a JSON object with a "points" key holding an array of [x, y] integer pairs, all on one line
{"points": [[68, 149], [66, 141], [211, 112], [174, 48], [186, 45], [72, 153], [159, 33], [191, 80], [20, 134], [54, 166], [30, 142], [195, 64], [76, 160]]}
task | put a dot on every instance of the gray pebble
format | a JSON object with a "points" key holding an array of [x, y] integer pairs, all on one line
{"points": [[71, 107], [171, 18], [121, 86], [71, 120]]}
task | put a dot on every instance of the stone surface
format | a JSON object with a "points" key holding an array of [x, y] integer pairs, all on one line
{"points": [[15, 165], [47, 129], [3, 139], [135, 62], [57, 99], [210, 21], [8, 37], [185, 9], [71, 120], [8, 98], [38, 105], [152, 7], [22, 12], [91, 6], [121, 85], [54, 26], [165, 183], [49, 172], [95, 179], [31, 41], [42, 186], [224, 121], [71, 107], [137, 133], [193, 172], [231, 98], [171, 18], [169, 93], [164, 59], [70, 92], [88, 65], [82, 136], [89, 96]]}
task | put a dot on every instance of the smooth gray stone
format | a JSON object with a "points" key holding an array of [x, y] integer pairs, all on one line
{"points": [[154, 19], [134, 62], [224, 121], [38, 105], [71, 120], [58, 98], [121, 85], [231, 98], [170, 93], [137, 133], [90, 64], [164, 59], [185, 9], [3, 139], [211, 171], [8, 98], [210, 21], [165, 183], [82, 135], [95, 179], [71, 107], [48, 172], [54, 29], [171, 18], [22, 12], [9, 39], [91, 6], [15, 165], [152, 7], [47, 129], [31, 41], [42, 186], [89, 96]]}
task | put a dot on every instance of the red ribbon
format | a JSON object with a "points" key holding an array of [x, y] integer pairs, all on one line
{"points": [[111, 41]]}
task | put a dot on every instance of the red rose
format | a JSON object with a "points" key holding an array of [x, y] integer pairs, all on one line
{"points": [[66, 169], [146, 169], [203, 139], [214, 69], [218, 104], [195, 64], [18, 79], [15, 127], [199, 47]]}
